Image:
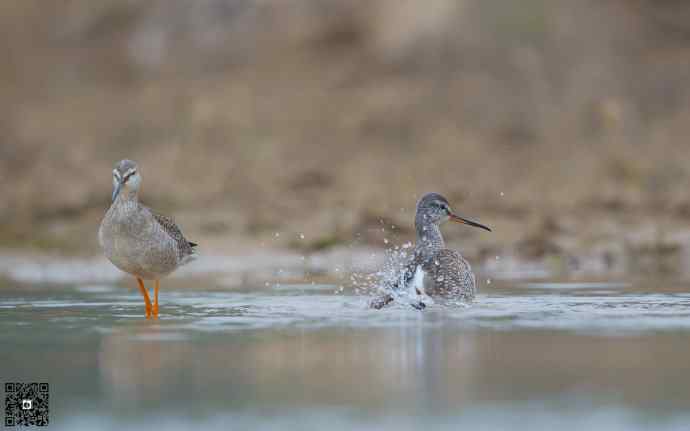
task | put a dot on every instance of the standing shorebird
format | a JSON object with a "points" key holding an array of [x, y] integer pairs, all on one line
{"points": [[137, 240], [434, 270]]}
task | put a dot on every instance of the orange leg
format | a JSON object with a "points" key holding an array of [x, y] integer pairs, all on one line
{"points": [[145, 294], [155, 304]]}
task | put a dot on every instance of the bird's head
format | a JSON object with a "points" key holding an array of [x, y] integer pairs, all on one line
{"points": [[126, 178], [434, 208]]}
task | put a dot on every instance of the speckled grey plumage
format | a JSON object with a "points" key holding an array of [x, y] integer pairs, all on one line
{"points": [[447, 276], [137, 240]]}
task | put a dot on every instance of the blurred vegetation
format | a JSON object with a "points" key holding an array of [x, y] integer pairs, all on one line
{"points": [[254, 116]]}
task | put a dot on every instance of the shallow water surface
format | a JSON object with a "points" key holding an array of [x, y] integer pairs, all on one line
{"points": [[525, 355]]}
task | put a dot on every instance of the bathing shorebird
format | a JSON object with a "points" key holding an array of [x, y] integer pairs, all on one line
{"points": [[139, 241], [434, 270]]}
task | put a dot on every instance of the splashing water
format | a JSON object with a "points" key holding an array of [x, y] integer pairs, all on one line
{"points": [[382, 281]]}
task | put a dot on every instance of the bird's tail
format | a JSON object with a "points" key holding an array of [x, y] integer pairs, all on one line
{"points": [[192, 256]]}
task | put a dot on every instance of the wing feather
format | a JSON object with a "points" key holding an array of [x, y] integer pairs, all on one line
{"points": [[185, 248], [451, 275]]}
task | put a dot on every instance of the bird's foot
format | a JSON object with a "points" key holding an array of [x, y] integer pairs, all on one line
{"points": [[418, 305], [145, 294], [381, 301], [155, 299]]}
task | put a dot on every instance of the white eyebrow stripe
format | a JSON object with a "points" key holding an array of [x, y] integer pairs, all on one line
{"points": [[116, 173]]}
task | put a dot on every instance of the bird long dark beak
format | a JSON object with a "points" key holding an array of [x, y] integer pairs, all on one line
{"points": [[457, 219], [116, 190]]}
